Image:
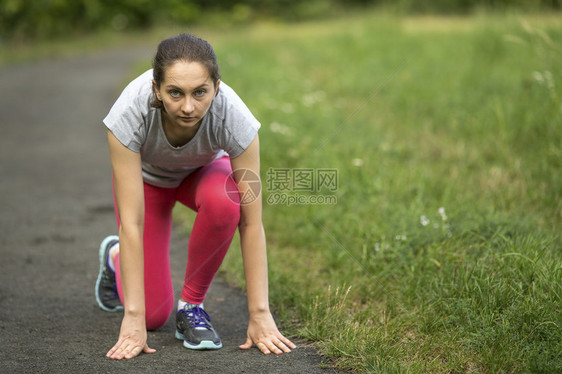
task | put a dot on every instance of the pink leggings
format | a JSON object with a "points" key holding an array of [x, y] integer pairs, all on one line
{"points": [[204, 191]]}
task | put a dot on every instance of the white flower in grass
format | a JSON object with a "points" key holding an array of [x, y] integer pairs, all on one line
{"points": [[537, 75], [401, 237], [357, 162], [544, 78], [424, 221], [377, 247], [280, 129], [312, 98], [288, 108], [442, 213]]}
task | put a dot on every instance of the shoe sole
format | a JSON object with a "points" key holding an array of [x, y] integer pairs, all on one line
{"points": [[104, 244], [205, 344]]}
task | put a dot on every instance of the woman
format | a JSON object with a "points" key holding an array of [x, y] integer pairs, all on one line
{"points": [[175, 134]]}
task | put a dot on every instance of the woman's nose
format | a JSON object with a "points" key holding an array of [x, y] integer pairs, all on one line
{"points": [[187, 106]]}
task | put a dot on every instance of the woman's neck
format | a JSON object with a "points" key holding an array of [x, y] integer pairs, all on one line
{"points": [[177, 136]]}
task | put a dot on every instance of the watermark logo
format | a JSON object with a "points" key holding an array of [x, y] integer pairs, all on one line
{"points": [[301, 186], [286, 198], [302, 179], [286, 186], [249, 186]]}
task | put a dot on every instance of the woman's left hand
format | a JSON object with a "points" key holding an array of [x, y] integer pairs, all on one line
{"points": [[263, 333]]}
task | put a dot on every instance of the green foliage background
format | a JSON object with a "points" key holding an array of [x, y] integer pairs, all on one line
{"points": [[23, 19]]}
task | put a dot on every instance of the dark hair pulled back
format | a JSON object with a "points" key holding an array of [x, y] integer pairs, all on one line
{"points": [[183, 47]]}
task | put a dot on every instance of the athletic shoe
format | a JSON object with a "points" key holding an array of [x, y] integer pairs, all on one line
{"points": [[106, 287], [193, 326]]}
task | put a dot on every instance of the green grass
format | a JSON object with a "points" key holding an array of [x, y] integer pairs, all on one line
{"points": [[416, 114]]}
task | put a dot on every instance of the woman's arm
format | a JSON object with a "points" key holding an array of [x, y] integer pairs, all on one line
{"points": [[129, 194], [262, 330]]}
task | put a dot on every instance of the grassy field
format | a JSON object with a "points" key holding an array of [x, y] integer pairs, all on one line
{"points": [[438, 248], [442, 253]]}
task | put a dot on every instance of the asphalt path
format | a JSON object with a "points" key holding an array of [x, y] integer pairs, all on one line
{"points": [[56, 207]]}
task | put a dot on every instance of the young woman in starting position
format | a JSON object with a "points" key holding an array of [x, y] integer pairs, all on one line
{"points": [[176, 133]]}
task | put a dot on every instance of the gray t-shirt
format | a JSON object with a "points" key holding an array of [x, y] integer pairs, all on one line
{"points": [[228, 128]]}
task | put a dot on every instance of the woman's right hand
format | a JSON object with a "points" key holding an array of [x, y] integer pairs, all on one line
{"points": [[132, 339], [129, 194]]}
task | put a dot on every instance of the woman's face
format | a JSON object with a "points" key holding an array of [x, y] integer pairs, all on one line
{"points": [[187, 91]]}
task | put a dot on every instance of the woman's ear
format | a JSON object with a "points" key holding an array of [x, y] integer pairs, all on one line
{"points": [[217, 87], [155, 90]]}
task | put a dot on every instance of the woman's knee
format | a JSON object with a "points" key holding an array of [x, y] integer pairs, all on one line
{"points": [[221, 202], [157, 315], [158, 291]]}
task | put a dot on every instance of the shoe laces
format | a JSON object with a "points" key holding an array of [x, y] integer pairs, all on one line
{"points": [[197, 317]]}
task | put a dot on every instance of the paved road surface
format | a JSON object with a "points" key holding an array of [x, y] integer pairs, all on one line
{"points": [[56, 207]]}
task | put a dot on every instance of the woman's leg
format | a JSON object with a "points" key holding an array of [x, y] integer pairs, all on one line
{"points": [[218, 215], [159, 293]]}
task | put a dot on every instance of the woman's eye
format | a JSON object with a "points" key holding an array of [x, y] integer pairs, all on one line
{"points": [[200, 93], [174, 93]]}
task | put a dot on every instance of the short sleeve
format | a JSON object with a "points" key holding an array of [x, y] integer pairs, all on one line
{"points": [[128, 117], [239, 126]]}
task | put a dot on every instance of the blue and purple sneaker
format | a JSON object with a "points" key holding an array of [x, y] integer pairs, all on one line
{"points": [[193, 326], [106, 286]]}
